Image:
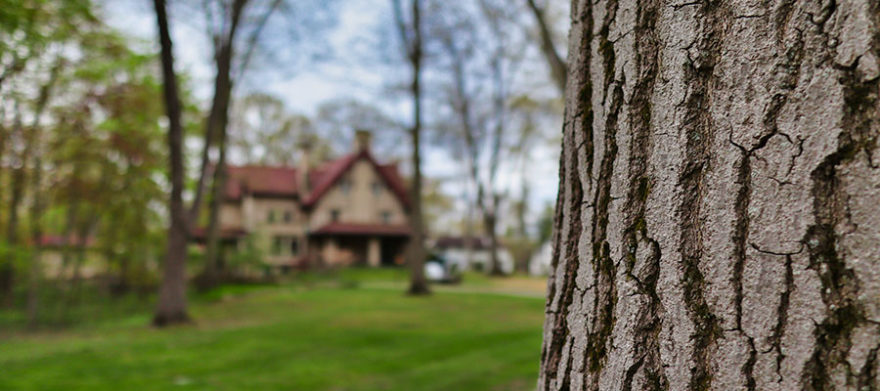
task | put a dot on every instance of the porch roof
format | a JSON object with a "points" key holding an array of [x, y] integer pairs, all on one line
{"points": [[362, 229]]}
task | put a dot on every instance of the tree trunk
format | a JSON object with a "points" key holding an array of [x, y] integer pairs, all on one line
{"points": [[717, 217], [17, 185], [171, 307], [411, 38], [212, 257], [71, 218], [38, 199], [218, 117], [491, 223]]}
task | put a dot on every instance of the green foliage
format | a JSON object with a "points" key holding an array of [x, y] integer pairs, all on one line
{"points": [[249, 256], [100, 143]]}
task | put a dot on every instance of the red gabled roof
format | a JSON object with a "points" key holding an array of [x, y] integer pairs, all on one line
{"points": [[282, 181], [324, 177], [261, 180], [363, 229]]}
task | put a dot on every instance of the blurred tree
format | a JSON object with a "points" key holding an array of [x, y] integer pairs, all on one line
{"points": [[235, 28], [171, 307], [473, 42], [33, 36], [557, 65], [409, 29], [264, 132], [337, 119]]}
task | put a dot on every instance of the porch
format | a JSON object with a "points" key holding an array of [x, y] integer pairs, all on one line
{"points": [[359, 244]]}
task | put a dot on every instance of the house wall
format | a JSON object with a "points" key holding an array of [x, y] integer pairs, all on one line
{"points": [[359, 204], [252, 214], [230, 215]]}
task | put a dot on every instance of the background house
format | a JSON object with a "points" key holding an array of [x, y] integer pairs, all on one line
{"points": [[471, 253], [352, 210]]}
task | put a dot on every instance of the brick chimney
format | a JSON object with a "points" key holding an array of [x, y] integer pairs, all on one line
{"points": [[362, 139]]}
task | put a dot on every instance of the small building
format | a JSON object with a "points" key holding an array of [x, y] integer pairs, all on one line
{"points": [[471, 253], [83, 258], [350, 211], [539, 263]]}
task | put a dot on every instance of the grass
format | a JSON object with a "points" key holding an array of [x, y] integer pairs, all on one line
{"points": [[289, 337]]}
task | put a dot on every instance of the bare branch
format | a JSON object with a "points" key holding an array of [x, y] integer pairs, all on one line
{"points": [[558, 67], [251, 42]]}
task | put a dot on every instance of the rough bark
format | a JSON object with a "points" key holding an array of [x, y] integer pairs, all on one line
{"points": [[171, 307], [716, 223]]}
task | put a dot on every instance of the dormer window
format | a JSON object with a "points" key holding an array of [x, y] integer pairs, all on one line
{"points": [[334, 215], [345, 186], [386, 217]]}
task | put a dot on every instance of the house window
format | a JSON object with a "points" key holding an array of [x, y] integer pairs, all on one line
{"points": [[376, 187], [294, 246], [271, 217], [386, 217], [334, 215], [288, 216], [285, 246], [345, 186], [277, 245]]}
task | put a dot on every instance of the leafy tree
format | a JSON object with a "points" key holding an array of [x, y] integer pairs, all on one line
{"points": [[33, 39]]}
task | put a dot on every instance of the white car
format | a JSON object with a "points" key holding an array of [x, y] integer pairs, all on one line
{"points": [[437, 269]]}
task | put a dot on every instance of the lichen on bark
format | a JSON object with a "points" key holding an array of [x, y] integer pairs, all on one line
{"points": [[717, 183]]}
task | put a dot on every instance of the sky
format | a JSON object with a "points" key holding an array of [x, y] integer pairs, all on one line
{"points": [[351, 71]]}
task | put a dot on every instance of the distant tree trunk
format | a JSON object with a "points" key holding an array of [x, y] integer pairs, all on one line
{"points": [[111, 241], [558, 68], [491, 223], [171, 307], [83, 233], [218, 117], [38, 199], [218, 121], [717, 220], [69, 229], [411, 38], [7, 269], [212, 257]]}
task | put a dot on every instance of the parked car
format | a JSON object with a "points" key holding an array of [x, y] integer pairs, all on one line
{"points": [[438, 269]]}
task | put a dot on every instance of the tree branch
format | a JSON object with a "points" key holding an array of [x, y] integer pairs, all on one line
{"points": [[558, 67]]}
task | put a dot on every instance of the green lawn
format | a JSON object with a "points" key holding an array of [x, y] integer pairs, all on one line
{"points": [[292, 338]]}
